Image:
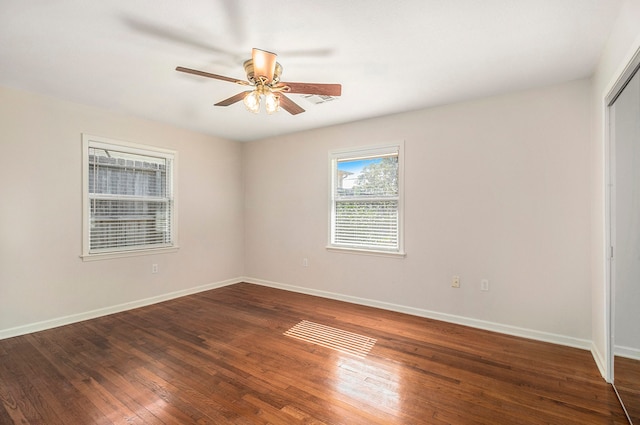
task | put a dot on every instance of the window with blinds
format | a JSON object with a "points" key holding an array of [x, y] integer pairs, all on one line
{"points": [[129, 203], [365, 194]]}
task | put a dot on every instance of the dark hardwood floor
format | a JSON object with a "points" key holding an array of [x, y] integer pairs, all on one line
{"points": [[220, 357], [627, 380]]}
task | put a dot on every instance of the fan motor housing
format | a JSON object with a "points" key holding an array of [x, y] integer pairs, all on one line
{"points": [[249, 70]]}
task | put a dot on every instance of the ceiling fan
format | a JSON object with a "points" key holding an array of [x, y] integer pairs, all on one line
{"points": [[263, 75]]}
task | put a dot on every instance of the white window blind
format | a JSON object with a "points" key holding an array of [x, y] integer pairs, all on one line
{"points": [[365, 200], [129, 198]]}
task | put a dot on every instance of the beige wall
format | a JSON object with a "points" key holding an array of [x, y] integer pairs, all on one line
{"points": [[42, 278], [506, 188], [622, 44], [496, 188]]}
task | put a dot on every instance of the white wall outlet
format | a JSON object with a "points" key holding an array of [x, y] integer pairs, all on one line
{"points": [[455, 282], [484, 285], [154, 268], [305, 262]]}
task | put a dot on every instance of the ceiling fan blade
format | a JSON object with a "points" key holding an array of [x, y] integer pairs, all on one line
{"points": [[264, 64], [174, 35], [210, 75], [289, 105], [313, 88], [233, 99]]}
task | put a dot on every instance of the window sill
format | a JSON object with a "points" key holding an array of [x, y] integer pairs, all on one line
{"points": [[360, 251], [125, 254]]}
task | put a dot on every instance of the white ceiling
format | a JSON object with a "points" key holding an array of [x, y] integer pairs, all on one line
{"points": [[389, 56]]}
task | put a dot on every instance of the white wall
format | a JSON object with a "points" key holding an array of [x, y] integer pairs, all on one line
{"points": [[42, 278], [496, 188], [622, 44]]}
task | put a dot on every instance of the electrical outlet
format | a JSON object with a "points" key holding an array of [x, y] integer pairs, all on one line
{"points": [[305, 262], [154, 268], [455, 282], [484, 285]]}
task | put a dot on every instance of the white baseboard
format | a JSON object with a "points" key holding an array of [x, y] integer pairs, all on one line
{"points": [[475, 323], [628, 352], [460, 320], [600, 362], [74, 318]]}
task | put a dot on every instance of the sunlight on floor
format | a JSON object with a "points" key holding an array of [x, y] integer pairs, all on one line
{"points": [[371, 383], [329, 337]]}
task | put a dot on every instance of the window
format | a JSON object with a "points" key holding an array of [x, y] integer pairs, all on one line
{"points": [[366, 199], [129, 204]]}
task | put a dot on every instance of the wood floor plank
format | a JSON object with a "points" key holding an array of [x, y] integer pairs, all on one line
{"points": [[627, 381], [221, 357]]}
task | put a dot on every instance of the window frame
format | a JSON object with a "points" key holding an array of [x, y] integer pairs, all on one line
{"points": [[90, 141], [360, 152]]}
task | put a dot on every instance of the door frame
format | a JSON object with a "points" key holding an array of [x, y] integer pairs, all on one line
{"points": [[623, 80]]}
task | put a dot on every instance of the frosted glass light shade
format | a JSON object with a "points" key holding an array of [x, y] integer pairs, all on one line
{"points": [[271, 103], [252, 102]]}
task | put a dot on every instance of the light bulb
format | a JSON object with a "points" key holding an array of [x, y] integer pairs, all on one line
{"points": [[252, 102], [271, 103]]}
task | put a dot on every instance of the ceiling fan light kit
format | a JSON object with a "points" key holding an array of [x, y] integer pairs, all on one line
{"points": [[263, 74], [271, 100]]}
